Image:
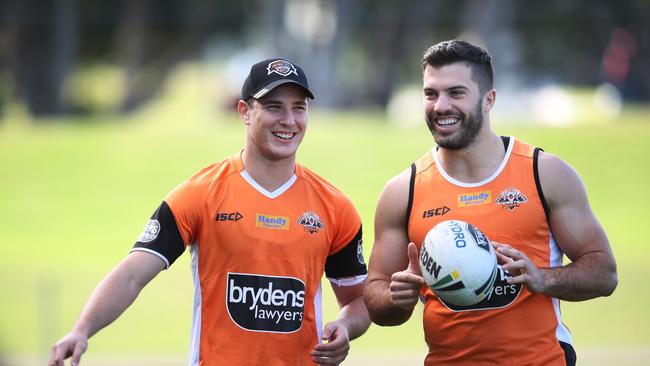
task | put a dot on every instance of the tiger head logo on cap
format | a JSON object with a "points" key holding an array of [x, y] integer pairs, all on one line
{"points": [[281, 67], [268, 74]]}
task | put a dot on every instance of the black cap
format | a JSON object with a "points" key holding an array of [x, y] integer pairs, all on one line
{"points": [[268, 74]]}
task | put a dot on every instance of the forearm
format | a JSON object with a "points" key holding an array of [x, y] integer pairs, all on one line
{"points": [[114, 294], [354, 316], [380, 305], [593, 275]]}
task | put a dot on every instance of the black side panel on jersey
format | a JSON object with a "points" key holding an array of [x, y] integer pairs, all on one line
{"points": [[409, 205], [538, 184], [506, 142], [569, 354], [163, 237], [348, 261]]}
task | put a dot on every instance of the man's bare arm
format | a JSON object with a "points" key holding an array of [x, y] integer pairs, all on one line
{"points": [[394, 279], [114, 294], [592, 271]]}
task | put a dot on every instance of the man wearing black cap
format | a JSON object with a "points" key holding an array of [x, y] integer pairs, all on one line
{"points": [[261, 230]]}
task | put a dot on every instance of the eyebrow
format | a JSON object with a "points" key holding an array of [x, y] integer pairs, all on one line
{"points": [[278, 102], [451, 88]]}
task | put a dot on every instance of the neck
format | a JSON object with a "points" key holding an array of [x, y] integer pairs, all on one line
{"points": [[270, 174], [475, 162]]}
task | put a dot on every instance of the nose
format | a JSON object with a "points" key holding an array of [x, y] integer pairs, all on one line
{"points": [[287, 117], [442, 104]]}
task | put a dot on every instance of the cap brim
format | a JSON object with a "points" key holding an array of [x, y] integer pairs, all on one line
{"points": [[270, 86]]}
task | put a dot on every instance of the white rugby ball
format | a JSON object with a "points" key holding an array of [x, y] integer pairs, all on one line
{"points": [[458, 263]]}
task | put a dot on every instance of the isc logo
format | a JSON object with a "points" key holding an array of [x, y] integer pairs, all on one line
{"points": [[440, 211], [229, 216]]}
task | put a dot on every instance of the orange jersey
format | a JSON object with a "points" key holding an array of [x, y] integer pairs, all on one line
{"points": [[512, 326], [257, 260]]}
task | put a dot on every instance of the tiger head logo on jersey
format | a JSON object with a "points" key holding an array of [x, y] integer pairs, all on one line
{"points": [[311, 222], [511, 198]]}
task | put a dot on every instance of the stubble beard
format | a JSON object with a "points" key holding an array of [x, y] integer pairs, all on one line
{"points": [[469, 129]]}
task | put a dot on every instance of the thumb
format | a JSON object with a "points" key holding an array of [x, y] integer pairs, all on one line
{"points": [[327, 332], [414, 262]]}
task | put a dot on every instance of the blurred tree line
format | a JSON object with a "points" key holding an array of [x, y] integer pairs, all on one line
{"points": [[357, 53]]}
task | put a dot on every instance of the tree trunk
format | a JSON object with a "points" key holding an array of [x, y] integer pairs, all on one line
{"points": [[43, 40]]}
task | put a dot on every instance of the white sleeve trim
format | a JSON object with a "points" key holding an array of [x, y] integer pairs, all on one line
{"points": [[348, 281], [162, 257]]}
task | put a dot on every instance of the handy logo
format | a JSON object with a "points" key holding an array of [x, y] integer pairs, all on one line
{"points": [[265, 221], [265, 303], [474, 198]]}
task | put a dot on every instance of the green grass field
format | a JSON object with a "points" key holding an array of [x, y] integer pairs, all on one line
{"points": [[75, 196]]}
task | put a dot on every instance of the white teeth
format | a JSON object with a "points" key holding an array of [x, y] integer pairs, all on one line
{"points": [[446, 121], [283, 135]]}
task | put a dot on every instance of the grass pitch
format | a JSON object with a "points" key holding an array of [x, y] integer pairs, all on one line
{"points": [[75, 196]]}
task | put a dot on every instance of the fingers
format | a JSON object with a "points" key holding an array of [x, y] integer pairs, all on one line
{"points": [[57, 355], [327, 333], [405, 289], [521, 268], [330, 348], [410, 280], [336, 349], [330, 357], [57, 358], [516, 269], [405, 285], [525, 273], [511, 258], [503, 259], [414, 262], [335, 334], [72, 345], [79, 349]]}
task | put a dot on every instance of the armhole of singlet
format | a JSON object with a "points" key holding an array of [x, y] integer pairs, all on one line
{"points": [[506, 142], [547, 210], [410, 202]]}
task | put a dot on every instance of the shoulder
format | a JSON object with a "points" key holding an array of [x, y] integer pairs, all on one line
{"points": [[554, 168], [399, 184], [323, 187], [559, 180], [395, 196], [201, 183], [338, 208]]}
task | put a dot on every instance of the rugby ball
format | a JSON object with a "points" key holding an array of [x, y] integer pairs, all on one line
{"points": [[458, 263]]}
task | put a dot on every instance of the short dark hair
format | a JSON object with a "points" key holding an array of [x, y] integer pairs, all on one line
{"points": [[476, 57]]}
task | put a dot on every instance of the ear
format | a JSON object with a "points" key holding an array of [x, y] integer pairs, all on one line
{"points": [[244, 111], [488, 100]]}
